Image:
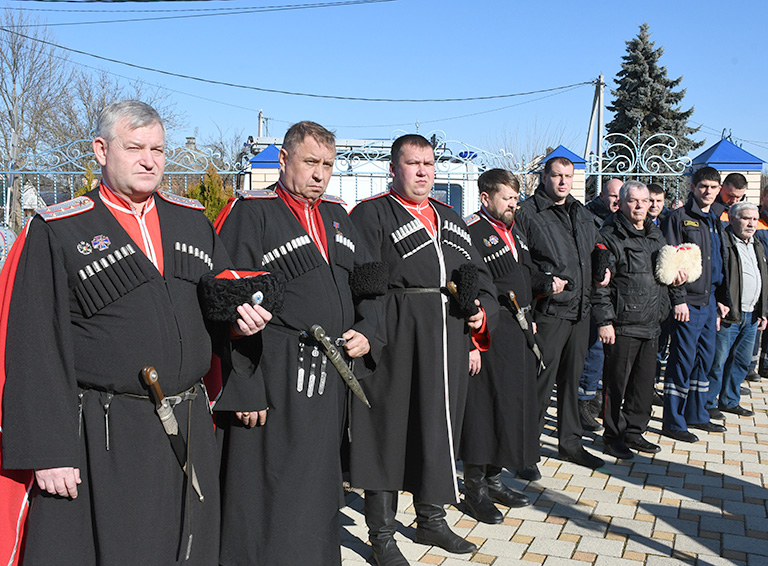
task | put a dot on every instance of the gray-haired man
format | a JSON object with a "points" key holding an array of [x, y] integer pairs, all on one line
{"points": [[748, 284], [104, 285], [628, 314]]}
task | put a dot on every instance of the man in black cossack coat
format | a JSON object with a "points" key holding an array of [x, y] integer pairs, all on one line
{"points": [[501, 421], [103, 286], [409, 439]]}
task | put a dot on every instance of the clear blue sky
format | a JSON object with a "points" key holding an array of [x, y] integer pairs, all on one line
{"points": [[431, 49]]}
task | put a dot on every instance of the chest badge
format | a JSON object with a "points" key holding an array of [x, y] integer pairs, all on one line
{"points": [[491, 241], [100, 242], [336, 227], [84, 248]]}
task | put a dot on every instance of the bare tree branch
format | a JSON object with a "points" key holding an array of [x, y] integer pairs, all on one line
{"points": [[93, 91], [35, 86]]}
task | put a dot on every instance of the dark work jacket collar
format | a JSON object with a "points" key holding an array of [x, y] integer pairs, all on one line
{"points": [[543, 202], [625, 228], [597, 207], [693, 208], [718, 207]]}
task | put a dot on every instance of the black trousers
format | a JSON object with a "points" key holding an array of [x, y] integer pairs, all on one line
{"points": [[563, 345], [628, 376]]}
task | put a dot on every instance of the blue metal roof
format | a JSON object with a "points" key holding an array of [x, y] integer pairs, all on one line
{"points": [[727, 155], [266, 158], [562, 151]]}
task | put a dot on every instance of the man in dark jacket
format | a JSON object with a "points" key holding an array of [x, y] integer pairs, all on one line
{"points": [[628, 313], [748, 284], [606, 203], [658, 212], [759, 366], [734, 190], [590, 395], [562, 236], [696, 305]]}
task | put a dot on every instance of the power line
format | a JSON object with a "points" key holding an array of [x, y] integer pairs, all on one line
{"points": [[115, 1], [146, 10], [561, 91], [357, 126], [161, 87], [288, 92], [229, 12], [757, 143], [451, 117], [251, 109]]}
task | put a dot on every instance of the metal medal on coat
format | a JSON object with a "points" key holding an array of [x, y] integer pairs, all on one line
{"points": [[100, 242]]}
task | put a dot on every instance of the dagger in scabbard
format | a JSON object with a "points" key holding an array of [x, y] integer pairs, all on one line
{"points": [[335, 357], [164, 410], [530, 337]]}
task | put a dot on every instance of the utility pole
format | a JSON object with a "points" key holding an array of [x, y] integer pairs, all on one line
{"points": [[261, 123], [598, 104], [600, 131], [592, 119]]}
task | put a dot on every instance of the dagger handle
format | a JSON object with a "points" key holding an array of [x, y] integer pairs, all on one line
{"points": [[452, 289], [331, 352], [152, 379], [513, 298], [164, 408]]}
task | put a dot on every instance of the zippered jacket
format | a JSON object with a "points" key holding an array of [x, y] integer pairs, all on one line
{"points": [[736, 279], [688, 224], [561, 239], [635, 302]]}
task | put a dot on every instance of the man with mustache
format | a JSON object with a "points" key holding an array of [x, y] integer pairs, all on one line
{"points": [[501, 422]]}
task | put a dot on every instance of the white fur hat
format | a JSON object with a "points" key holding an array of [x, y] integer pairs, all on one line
{"points": [[674, 258]]}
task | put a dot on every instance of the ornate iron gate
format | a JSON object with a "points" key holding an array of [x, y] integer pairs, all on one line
{"points": [[361, 170], [650, 161]]}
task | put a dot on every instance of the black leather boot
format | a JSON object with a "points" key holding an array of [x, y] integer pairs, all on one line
{"points": [[380, 508], [587, 419], [500, 493], [432, 529], [476, 495]]}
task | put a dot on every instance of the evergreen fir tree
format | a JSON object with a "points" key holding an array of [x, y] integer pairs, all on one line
{"points": [[646, 95], [211, 193], [87, 182]]}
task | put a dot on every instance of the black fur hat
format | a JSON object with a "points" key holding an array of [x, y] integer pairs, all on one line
{"points": [[468, 287], [601, 260], [221, 294]]}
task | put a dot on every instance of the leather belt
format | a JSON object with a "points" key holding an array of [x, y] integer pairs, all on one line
{"points": [[187, 395], [414, 290]]}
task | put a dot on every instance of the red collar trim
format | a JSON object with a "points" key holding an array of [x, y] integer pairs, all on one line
{"points": [[497, 223], [285, 194], [120, 203], [408, 202]]}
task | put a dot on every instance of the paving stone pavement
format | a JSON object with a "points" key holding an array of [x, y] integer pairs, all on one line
{"points": [[704, 504]]}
